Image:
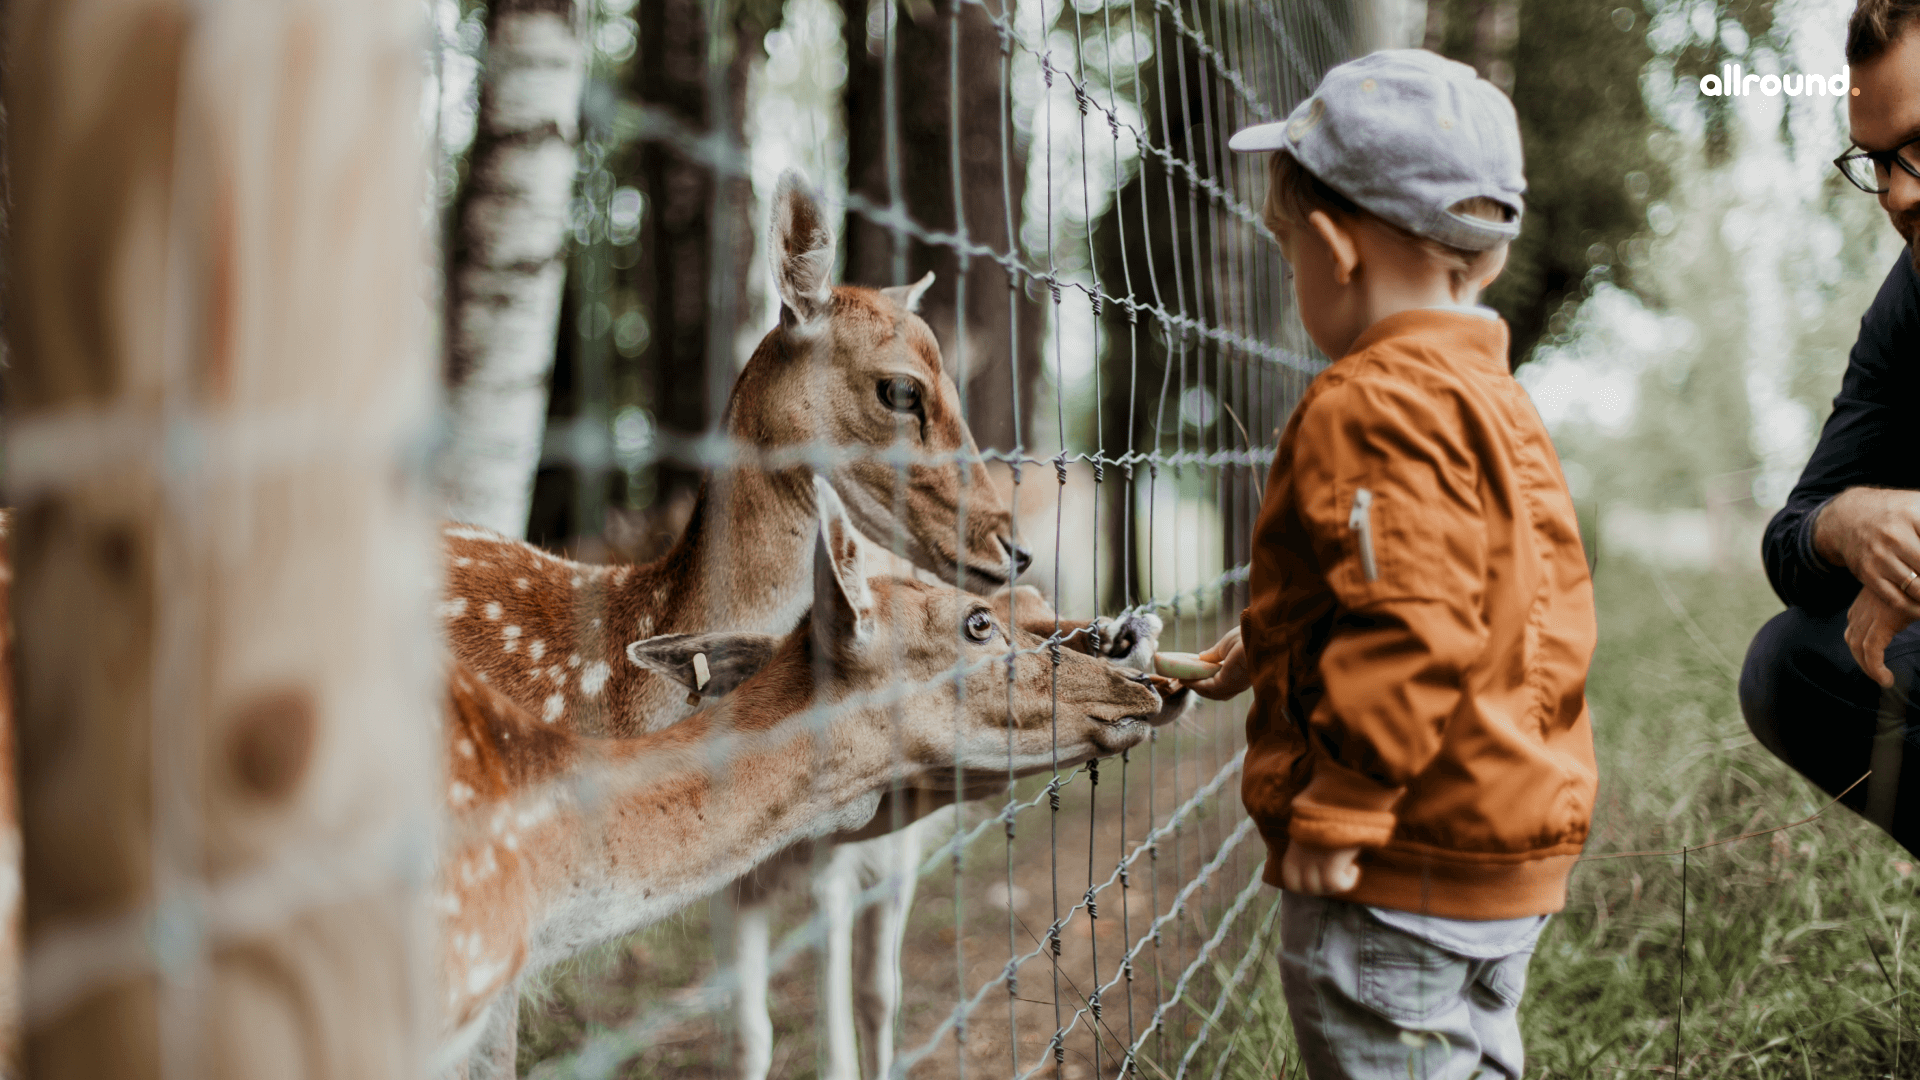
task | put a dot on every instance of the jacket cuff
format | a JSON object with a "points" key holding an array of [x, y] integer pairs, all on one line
{"points": [[1341, 808]]}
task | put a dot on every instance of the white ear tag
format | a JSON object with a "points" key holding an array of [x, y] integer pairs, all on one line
{"points": [[701, 677]]}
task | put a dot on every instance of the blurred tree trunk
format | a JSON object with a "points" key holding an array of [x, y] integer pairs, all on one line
{"points": [[1003, 326], [690, 281], [225, 652], [509, 260]]}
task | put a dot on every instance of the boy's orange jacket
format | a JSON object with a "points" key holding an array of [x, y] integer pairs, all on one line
{"points": [[1424, 699]]}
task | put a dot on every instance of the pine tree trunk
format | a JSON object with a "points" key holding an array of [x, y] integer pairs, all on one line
{"points": [[222, 592], [509, 261], [1001, 352]]}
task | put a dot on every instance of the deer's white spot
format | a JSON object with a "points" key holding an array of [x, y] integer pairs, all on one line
{"points": [[577, 581], [520, 583], [481, 675], [553, 707], [574, 660], [481, 976], [463, 561], [510, 638], [536, 648], [512, 841], [462, 532], [448, 902], [459, 794], [620, 575], [465, 746], [454, 608], [594, 678], [493, 609]]}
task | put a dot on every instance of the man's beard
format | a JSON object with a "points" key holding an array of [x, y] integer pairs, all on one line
{"points": [[1907, 224]]}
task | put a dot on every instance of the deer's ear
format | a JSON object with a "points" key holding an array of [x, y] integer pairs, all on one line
{"points": [[842, 603], [729, 659], [800, 245], [908, 296]]}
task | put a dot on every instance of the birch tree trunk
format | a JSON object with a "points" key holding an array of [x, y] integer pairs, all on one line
{"points": [[509, 261], [223, 580]]}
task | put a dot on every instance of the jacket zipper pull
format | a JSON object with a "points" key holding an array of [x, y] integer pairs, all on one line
{"points": [[1361, 519]]}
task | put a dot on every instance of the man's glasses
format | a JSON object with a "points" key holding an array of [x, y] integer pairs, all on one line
{"points": [[1872, 170]]}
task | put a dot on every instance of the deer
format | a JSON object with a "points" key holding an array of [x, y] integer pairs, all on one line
{"points": [[558, 839], [846, 368]]}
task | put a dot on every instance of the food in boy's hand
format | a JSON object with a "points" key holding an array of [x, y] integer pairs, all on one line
{"points": [[1184, 665]]}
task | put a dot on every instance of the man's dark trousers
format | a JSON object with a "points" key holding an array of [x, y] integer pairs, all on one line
{"points": [[1808, 702]]}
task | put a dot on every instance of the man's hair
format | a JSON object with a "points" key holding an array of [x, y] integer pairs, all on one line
{"points": [[1876, 25], [1293, 193]]}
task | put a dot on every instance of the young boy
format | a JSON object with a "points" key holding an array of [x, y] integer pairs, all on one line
{"points": [[1419, 758]]}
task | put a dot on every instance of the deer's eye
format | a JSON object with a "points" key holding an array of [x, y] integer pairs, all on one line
{"points": [[900, 395], [979, 625]]}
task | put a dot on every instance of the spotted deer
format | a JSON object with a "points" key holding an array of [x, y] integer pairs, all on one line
{"points": [[558, 840], [847, 368]]}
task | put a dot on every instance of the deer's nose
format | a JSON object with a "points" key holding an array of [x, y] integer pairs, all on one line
{"points": [[1022, 558]]}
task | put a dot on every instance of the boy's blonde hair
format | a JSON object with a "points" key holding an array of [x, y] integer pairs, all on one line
{"points": [[1293, 193]]}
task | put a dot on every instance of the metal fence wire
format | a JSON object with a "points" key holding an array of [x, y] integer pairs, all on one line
{"points": [[1106, 919]]}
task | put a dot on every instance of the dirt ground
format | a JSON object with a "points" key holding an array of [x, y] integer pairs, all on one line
{"points": [[967, 924]]}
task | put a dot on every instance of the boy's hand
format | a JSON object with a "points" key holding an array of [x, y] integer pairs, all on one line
{"points": [[1232, 679], [1318, 871]]}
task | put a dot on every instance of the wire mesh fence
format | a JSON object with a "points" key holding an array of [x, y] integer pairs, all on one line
{"points": [[1116, 319]]}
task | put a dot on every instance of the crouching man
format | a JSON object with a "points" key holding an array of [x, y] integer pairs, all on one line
{"points": [[1829, 684]]}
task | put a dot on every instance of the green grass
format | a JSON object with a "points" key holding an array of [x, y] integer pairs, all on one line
{"points": [[1797, 952]]}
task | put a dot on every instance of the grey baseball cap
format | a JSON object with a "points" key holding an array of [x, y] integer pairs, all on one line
{"points": [[1406, 133]]}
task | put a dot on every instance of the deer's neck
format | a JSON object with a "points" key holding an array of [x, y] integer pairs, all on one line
{"points": [[745, 560], [552, 634], [700, 804]]}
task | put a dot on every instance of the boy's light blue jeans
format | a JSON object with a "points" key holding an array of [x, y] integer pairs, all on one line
{"points": [[1373, 1002]]}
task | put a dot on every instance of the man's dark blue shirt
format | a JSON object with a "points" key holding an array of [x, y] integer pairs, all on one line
{"points": [[1872, 440]]}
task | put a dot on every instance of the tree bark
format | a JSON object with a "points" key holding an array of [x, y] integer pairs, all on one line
{"points": [[1003, 326], [689, 277], [509, 261], [224, 666]]}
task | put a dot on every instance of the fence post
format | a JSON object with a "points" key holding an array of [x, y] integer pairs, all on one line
{"points": [[222, 582]]}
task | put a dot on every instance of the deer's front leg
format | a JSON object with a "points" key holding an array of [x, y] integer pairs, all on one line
{"points": [[833, 890], [882, 934], [753, 1024]]}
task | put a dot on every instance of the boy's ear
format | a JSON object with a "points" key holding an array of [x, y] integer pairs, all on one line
{"points": [[730, 659], [1496, 262], [1340, 241]]}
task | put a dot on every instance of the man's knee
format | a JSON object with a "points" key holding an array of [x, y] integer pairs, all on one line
{"points": [[1795, 660]]}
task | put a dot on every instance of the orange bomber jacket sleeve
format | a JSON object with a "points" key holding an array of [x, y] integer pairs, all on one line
{"points": [[1379, 465], [1420, 626]]}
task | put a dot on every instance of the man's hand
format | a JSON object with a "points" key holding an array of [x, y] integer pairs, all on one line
{"points": [[1875, 534], [1871, 623], [1318, 871], [1233, 678]]}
